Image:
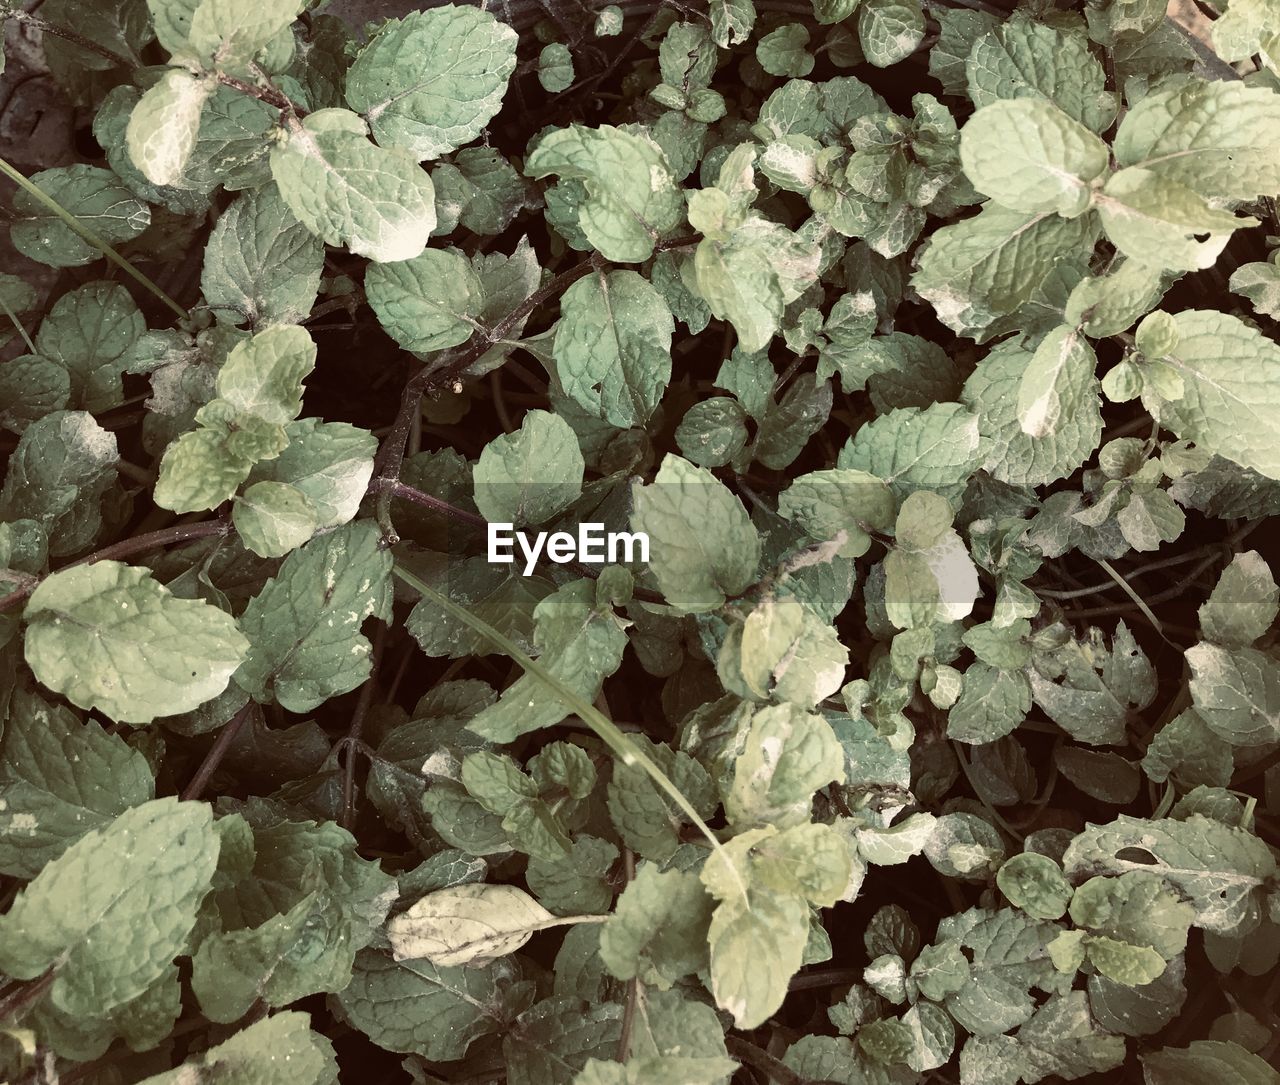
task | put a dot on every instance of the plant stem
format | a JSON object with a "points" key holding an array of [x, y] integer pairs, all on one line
{"points": [[140, 544], [347, 816], [45, 27], [772, 1068], [18, 1002], [216, 753], [270, 94], [428, 501]]}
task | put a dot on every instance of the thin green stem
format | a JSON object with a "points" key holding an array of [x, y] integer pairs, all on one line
{"points": [[89, 235], [13, 317]]}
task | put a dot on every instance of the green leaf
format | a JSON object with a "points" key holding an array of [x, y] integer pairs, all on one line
{"points": [[164, 124], [305, 644], [786, 653], [580, 642], [827, 502], [702, 545], [532, 475], [911, 449], [1236, 692], [553, 1040], [1207, 1060], [788, 755], [1243, 603], [631, 198], [259, 390], [432, 81], [377, 201], [87, 332], [330, 463], [261, 265], [658, 931], [230, 33], [1230, 378], [1216, 867], [428, 303], [452, 1007], [1217, 138], [108, 636], [992, 703], [782, 51], [731, 21], [555, 68], [613, 346], [1025, 58], [1059, 385], [1089, 690], [273, 518], [60, 779], [1012, 455], [97, 197], [889, 30], [754, 953], [1028, 155], [980, 270], [64, 465], [1035, 884], [1156, 220], [576, 885], [111, 913], [644, 817], [282, 1050], [1259, 282]]}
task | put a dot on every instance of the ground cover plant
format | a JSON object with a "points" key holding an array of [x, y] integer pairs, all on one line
{"points": [[932, 346]]}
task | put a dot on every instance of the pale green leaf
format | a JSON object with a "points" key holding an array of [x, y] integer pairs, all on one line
{"points": [[164, 124], [111, 913], [702, 545], [1028, 155], [631, 196], [377, 201], [613, 346], [108, 636], [305, 644], [1230, 376], [273, 518], [281, 1050], [432, 81]]}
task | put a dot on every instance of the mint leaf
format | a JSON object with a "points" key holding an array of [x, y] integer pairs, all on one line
{"points": [[428, 303], [631, 197], [1229, 375], [282, 1050], [703, 547], [613, 346], [375, 200], [111, 913], [1028, 155], [261, 265], [431, 81], [511, 486], [97, 197], [108, 636], [59, 779], [303, 628]]}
